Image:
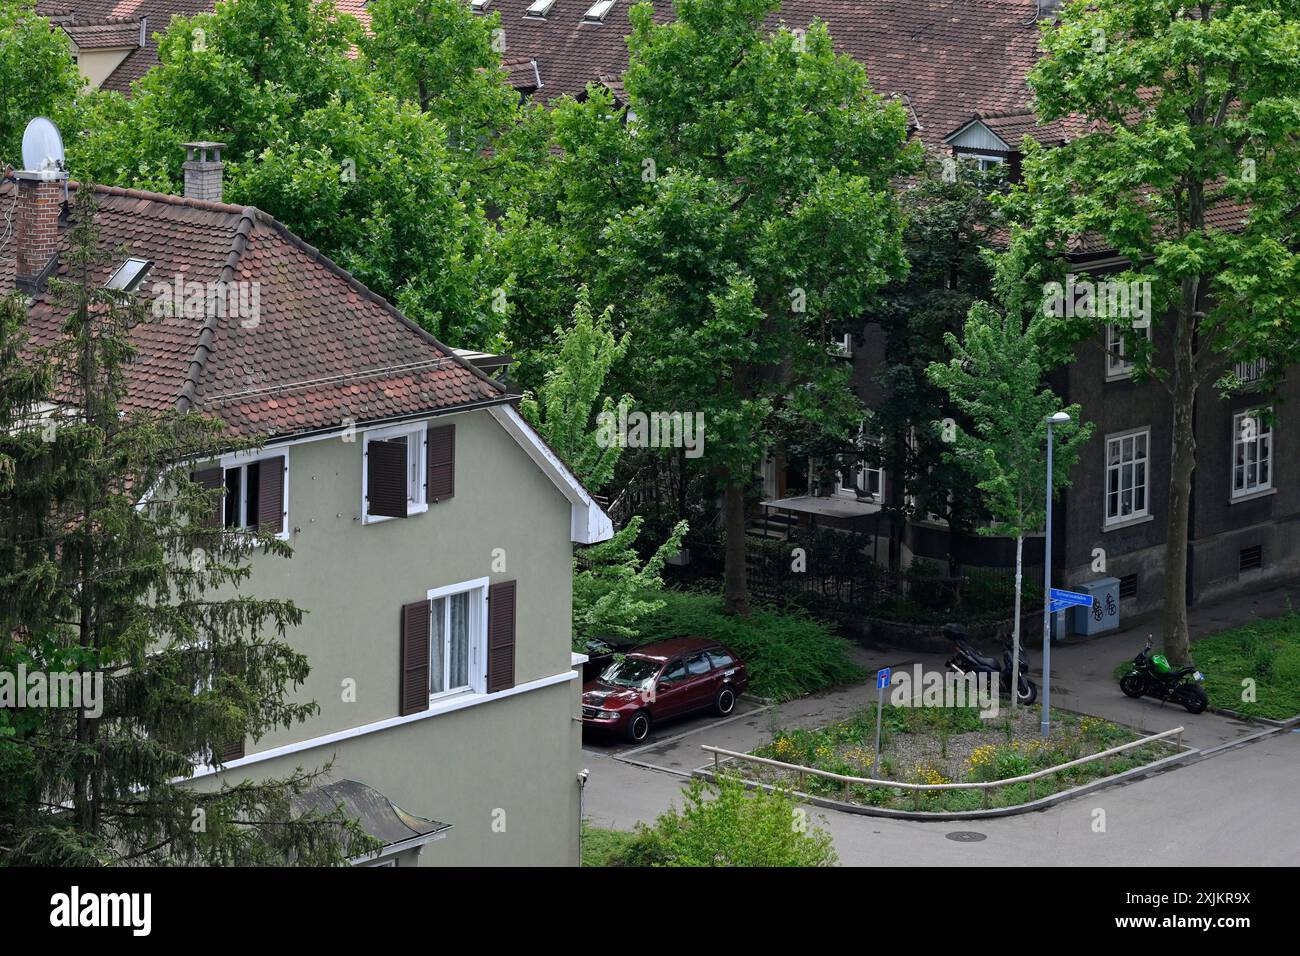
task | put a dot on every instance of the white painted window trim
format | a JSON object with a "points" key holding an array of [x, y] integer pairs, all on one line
{"points": [[982, 158], [1257, 490], [478, 637], [421, 504], [1118, 368], [1136, 516], [444, 706], [240, 459]]}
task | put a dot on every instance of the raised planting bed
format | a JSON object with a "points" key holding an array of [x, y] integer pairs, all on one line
{"points": [[934, 746]]}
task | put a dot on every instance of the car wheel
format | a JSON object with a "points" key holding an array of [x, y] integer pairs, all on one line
{"points": [[638, 728], [725, 702]]}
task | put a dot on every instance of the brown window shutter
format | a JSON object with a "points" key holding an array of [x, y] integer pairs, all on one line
{"points": [[414, 692], [501, 637], [386, 478], [229, 752], [441, 467], [213, 480], [270, 494]]}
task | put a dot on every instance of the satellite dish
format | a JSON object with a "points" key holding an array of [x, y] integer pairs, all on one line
{"points": [[42, 146]]}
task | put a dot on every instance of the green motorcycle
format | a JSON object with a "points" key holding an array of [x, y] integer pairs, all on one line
{"points": [[1152, 676]]}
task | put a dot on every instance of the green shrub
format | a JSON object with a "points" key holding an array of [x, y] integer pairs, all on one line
{"points": [[788, 654], [724, 824]]}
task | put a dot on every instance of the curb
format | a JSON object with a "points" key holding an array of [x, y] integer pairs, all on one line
{"points": [[1191, 754], [1253, 719], [1227, 745]]}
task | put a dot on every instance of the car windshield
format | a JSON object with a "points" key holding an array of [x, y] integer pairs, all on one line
{"points": [[630, 672]]}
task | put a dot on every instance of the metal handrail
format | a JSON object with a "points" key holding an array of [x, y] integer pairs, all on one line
{"points": [[919, 788]]}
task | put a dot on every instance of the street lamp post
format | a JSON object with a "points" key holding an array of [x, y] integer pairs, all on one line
{"points": [[1057, 418]]}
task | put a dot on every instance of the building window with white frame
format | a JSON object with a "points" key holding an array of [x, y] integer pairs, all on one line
{"points": [[860, 480], [1126, 476], [1252, 452], [458, 639], [1118, 365], [402, 465]]}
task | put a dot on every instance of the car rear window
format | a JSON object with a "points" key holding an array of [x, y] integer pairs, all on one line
{"points": [[721, 658]]}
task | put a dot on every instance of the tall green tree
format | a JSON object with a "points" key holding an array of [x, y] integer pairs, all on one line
{"points": [[736, 212], [318, 140], [1188, 167], [447, 59], [994, 376], [37, 73], [613, 586], [109, 567], [570, 402], [951, 222]]}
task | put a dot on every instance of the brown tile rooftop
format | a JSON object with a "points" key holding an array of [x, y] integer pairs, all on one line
{"points": [[319, 350]]}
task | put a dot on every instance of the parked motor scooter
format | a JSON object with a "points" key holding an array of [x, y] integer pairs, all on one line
{"points": [[1152, 676], [967, 660]]}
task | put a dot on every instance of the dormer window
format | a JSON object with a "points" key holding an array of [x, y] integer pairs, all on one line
{"points": [[479, 6], [539, 8], [598, 11], [128, 276]]}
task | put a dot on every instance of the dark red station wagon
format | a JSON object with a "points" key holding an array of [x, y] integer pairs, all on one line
{"points": [[662, 680]]}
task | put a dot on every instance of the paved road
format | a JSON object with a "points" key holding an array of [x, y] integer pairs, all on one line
{"points": [[1237, 808]]}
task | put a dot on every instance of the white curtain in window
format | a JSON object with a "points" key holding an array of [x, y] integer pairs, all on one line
{"points": [[458, 651], [438, 650]]}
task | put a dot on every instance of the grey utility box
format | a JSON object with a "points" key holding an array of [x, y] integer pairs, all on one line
{"points": [[1104, 613]]}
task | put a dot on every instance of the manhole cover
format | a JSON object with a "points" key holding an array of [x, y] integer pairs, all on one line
{"points": [[965, 836]]}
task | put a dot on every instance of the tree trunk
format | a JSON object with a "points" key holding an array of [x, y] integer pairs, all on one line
{"points": [[1015, 627], [735, 578], [1182, 464]]}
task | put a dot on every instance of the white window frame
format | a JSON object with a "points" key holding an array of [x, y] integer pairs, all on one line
{"points": [[984, 161], [1135, 515], [477, 638], [1263, 437], [1251, 371], [851, 491], [1117, 366], [241, 460], [417, 472], [538, 9]]}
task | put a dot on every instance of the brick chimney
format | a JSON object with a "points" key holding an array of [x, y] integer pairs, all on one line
{"points": [[36, 224], [203, 175]]}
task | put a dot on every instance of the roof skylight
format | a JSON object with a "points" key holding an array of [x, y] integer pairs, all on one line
{"points": [[128, 275], [539, 8], [599, 10], [479, 6]]}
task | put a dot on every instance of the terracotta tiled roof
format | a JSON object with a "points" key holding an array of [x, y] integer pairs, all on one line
{"points": [[87, 16], [950, 58], [104, 36], [321, 349]]}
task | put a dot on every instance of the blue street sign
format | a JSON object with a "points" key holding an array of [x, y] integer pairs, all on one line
{"points": [[882, 677], [1070, 597], [1057, 606]]}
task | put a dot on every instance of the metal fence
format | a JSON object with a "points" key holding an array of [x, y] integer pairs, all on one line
{"points": [[832, 575]]}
